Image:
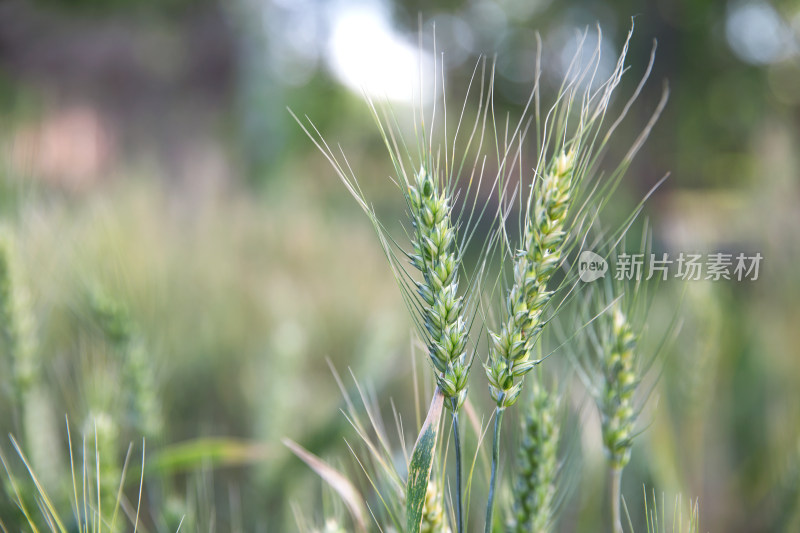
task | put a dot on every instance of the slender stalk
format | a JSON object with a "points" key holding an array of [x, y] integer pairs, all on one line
{"points": [[616, 483], [457, 442], [498, 420]]}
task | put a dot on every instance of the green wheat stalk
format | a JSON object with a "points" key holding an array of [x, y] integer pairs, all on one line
{"points": [[442, 295], [612, 365], [443, 300], [562, 205]]}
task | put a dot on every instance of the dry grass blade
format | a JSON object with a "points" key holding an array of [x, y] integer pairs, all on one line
{"points": [[141, 484], [338, 482]]}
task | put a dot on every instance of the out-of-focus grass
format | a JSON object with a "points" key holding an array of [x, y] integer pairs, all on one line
{"points": [[240, 299]]}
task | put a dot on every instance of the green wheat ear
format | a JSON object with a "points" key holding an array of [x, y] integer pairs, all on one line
{"points": [[618, 370], [102, 435], [433, 516], [16, 322], [563, 204], [138, 374], [615, 365], [435, 256], [621, 379], [33, 408], [537, 464], [432, 171], [612, 364], [534, 265]]}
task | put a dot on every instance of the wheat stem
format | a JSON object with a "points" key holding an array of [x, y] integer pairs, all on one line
{"points": [[498, 420], [616, 496], [457, 444]]}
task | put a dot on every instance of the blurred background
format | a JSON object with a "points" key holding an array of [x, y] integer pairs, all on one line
{"points": [[173, 228]]}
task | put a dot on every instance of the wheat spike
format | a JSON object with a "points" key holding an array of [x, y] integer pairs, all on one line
{"points": [[435, 256], [537, 465], [534, 264]]}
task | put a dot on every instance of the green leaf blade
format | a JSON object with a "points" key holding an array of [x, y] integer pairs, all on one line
{"points": [[419, 468]]}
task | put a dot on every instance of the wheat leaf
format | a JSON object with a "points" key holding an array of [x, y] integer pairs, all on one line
{"points": [[419, 469], [190, 454]]}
